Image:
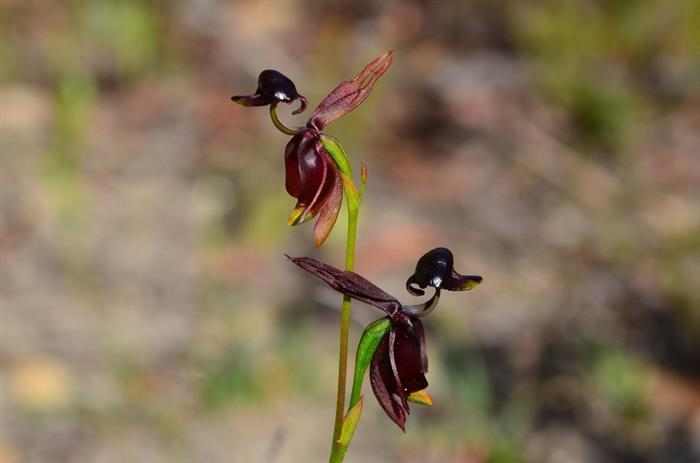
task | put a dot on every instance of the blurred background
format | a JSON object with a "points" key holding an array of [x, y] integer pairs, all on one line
{"points": [[147, 313]]}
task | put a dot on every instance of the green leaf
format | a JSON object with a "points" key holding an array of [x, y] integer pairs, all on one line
{"points": [[369, 341], [337, 153], [350, 423]]}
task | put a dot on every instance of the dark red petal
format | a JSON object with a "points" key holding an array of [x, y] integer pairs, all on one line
{"points": [[313, 172], [400, 393], [407, 357], [384, 387], [316, 181], [349, 94], [349, 283], [292, 179], [329, 184], [328, 214], [420, 334]]}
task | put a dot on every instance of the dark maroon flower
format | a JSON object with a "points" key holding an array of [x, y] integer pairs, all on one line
{"points": [[400, 362], [273, 87], [314, 180], [398, 368], [312, 176]]}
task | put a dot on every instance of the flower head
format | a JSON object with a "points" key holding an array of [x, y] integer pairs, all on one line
{"points": [[314, 180], [400, 362], [313, 177]]}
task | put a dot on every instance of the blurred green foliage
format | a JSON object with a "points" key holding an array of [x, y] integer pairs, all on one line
{"points": [[125, 32], [597, 59], [230, 379], [623, 383]]}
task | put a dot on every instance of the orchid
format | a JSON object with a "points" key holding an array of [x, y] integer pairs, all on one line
{"points": [[315, 165], [318, 175], [400, 361]]}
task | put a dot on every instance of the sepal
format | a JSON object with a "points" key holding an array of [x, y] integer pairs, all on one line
{"points": [[349, 94]]}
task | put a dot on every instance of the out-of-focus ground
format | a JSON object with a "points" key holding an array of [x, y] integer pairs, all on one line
{"points": [[147, 313]]}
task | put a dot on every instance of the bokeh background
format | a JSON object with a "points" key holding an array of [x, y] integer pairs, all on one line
{"points": [[147, 313]]}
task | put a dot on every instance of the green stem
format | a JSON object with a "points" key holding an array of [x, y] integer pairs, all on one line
{"points": [[338, 451]]}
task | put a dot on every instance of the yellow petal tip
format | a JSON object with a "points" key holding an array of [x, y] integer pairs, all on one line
{"points": [[295, 217], [421, 397]]}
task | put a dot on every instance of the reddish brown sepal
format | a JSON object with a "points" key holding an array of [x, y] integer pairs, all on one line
{"points": [[349, 94]]}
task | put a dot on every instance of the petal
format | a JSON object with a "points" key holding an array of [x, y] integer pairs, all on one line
{"points": [[407, 357], [313, 172], [349, 94], [329, 182], [350, 284], [384, 387], [328, 213], [292, 179], [420, 334], [395, 370]]}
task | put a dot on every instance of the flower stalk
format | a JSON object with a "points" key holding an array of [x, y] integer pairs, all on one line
{"points": [[352, 201]]}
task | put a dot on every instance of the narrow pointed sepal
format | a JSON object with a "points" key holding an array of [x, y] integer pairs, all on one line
{"points": [[349, 94], [350, 284]]}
